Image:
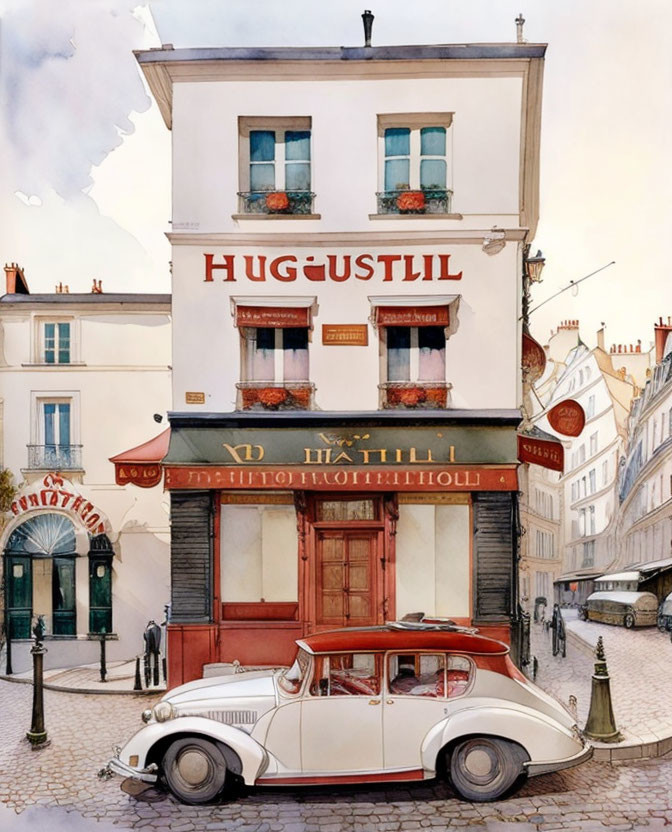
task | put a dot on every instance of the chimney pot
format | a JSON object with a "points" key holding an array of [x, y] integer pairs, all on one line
{"points": [[367, 19]]}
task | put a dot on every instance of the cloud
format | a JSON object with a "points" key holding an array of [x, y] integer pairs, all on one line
{"points": [[69, 85]]}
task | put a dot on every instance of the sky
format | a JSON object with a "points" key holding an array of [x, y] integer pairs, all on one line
{"points": [[85, 178]]}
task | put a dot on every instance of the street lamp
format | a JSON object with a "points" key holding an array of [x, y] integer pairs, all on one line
{"points": [[534, 266]]}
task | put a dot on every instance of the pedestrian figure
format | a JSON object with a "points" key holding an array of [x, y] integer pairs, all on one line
{"points": [[559, 635], [152, 637]]}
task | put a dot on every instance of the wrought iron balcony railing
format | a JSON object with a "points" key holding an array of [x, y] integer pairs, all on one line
{"points": [[55, 457], [425, 201], [276, 202]]}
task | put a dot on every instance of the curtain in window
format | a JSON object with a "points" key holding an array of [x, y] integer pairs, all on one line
{"points": [[432, 353]]}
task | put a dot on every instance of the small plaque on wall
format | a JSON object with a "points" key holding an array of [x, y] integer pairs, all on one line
{"points": [[347, 335], [194, 398]]}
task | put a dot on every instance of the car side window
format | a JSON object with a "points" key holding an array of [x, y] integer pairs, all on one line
{"points": [[417, 674], [459, 672], [346, 674]]}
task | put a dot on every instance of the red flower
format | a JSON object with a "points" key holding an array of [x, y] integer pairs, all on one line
{"points": [[411, 201], [272, 396], [277, 201], [412, 396]]}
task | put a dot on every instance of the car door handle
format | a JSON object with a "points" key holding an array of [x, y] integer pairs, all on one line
{"points": [[389, 701], [374, 701]]}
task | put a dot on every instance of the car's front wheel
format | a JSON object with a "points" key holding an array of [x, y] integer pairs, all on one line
{"points": [[195, 770], [485, 768], [629, 620]]}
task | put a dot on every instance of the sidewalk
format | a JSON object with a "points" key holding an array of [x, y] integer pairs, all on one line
{"points": [[640, 669], [120, 679]]}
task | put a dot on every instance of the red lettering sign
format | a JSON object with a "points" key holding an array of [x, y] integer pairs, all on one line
{"points": [[438, 478], [272, 316], [412, 315], [339, 268], [541, 452], [567, 418]]}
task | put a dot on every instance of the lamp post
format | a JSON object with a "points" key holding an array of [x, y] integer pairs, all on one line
{"points": [[37, 735], [532, 269]]}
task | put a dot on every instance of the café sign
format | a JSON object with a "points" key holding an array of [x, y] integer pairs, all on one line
{"points": [[56, 493]]}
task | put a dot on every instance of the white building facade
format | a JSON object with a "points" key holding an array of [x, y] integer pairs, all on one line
{"points": [[343, 446], [85, 554]]}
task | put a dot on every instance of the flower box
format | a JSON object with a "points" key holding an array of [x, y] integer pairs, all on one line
{"points": [[253, 397], [414, 396]]}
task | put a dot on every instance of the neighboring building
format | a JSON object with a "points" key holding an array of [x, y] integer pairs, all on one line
{"points": [[84, 553], [645, 487], [347, 248], [589, 542]]}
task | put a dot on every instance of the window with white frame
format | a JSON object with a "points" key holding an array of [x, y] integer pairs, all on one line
{"points": [[593, 444], [605, 472], [416, 353], [275, 165], [55, 342], [590, 412], [54, 434], [592, 480], [275, 354], [591, 520], [415, 171]]}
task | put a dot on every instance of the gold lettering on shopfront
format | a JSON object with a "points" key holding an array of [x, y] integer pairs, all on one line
{"points": [[252, 453]]}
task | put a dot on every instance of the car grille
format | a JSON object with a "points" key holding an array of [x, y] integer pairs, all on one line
{"points": [[226, 717]]}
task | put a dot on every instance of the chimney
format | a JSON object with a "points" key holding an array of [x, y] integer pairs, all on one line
{"points": [[97, 288], [520, 22], [600, 338], [15, 280], [662, 332], [367, 19]]}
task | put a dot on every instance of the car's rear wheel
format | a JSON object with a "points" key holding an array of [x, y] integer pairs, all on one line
{"points": [[629, 620], [661, 622], [485, 768], [195, 770]]}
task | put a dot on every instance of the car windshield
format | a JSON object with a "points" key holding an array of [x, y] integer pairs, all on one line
{"points": [[291, 680]]}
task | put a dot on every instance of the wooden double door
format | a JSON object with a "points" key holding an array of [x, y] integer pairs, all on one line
{"points": [[346, 582]]}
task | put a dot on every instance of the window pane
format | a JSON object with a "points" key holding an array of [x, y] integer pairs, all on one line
{"points": [[432, 173], [49, 343], [297, 176], [64, 343], [397, 174], [343, 510], [263, 364], [64, 424], [432, 357], [397, 141], [433, 141], [297, 144], [262, 177], [63, 584], [295, 351], [49, 428], [353, 675], [262, 145], [418, 675], [398, 353]]}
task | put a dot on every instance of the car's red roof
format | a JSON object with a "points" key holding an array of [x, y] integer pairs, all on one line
{"points": [[389, 639]]}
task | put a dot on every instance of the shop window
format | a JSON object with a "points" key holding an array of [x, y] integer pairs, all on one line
{"points": [[348, 674], [56, 342], [275, 166], [415, 164], [40, 565], [343, 511]]}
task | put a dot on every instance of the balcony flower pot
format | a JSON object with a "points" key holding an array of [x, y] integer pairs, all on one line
{"points": [[272, 397], [277, 201], [411, 202]]}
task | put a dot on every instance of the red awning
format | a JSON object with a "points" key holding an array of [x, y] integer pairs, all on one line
{"points": [[272, 316], [142, 465], [412, 316]]}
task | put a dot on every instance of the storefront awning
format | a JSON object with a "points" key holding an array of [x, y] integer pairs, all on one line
{"points": [[142, 465], [583, 575], [653, 566]]}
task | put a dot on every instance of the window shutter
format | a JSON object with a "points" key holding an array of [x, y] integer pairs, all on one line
{"points": [[191, 557], [494, 556]]}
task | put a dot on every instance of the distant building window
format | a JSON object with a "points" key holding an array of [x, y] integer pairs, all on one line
{"points": [[591, 515], [415, 152], [592, 480], [590, 411], [588, 554], [582, 454], [275, 166], [56, 341], [593, 444], [605, 472]]}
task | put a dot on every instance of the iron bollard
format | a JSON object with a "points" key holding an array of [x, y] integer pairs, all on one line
{"points": [[37, 735], [103, 663], [601, 724], [137, 685]]}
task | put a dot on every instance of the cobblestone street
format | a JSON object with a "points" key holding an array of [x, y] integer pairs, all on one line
{"points": [[45, 785]]}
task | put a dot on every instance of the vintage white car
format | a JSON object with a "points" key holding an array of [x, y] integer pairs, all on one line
{"points": [[359, 706]]}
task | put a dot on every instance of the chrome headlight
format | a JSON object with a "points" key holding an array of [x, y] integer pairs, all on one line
{"points": [[146, 715], [163, 711]]}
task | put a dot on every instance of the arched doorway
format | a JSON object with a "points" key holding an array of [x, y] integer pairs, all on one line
{"points": [[40, 558]]}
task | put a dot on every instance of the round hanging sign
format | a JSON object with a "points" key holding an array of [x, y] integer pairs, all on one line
{"points": [[567, 418], [534, 358]]}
